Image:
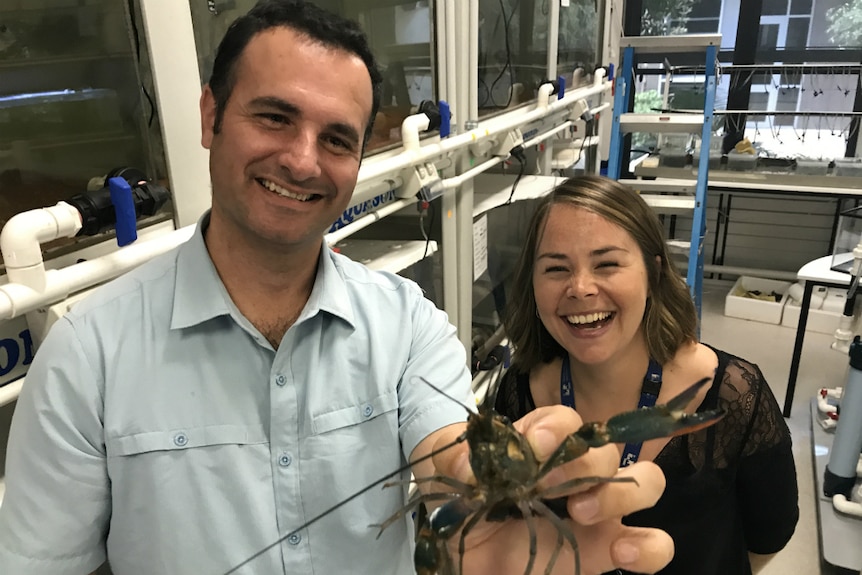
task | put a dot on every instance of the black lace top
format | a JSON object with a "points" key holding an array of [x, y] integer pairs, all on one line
{"points": [[731, 488]]}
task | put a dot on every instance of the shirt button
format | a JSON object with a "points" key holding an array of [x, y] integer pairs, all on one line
{"points": [[294, 539], [280, 380], [284, 459], [368, 410], [180, 439]]}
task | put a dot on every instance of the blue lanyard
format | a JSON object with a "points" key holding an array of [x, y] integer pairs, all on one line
{"points": [[649, 395]]}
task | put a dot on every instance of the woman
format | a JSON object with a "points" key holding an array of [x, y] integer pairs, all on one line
{"points": [[601, 321]]}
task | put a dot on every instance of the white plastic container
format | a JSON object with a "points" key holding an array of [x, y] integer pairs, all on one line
{"points": [[741, 162], [812, 167], [848, 167], [737, 305]]}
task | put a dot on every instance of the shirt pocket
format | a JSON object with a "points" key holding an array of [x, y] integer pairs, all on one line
{"points": [[184, 439], [345, 434], [362, 412]]}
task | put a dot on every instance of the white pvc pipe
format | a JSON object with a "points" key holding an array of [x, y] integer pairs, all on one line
{"points": [[410, 128], [545, 135], [17, 299], [473, 62], [333, 238], [452, 183], [464, 43], [440, 32], [11, 391], [553, 39], [22, 238], [451, 60], [545, 91], [492, 127]]}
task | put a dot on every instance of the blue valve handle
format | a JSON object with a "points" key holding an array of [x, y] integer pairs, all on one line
{"points": [[561, 91], [445, 119], [124, 207]]}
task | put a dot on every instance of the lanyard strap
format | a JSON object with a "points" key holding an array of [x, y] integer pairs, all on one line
{"points": [[649, 394]]}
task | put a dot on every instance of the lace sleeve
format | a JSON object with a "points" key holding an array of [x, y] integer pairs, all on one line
{"points": [[753, 421], [758, 440]]}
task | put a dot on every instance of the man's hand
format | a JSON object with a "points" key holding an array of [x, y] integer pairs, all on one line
{"points": [[596, 510]]}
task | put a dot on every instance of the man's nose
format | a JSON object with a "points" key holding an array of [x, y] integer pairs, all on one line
{"points": [[301, 157]]}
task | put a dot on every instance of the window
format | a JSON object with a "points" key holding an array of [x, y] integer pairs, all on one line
{"points": [[768, 37], [774, 7], [797, 33]]}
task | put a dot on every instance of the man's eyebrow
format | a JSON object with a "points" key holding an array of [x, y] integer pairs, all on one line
{"points": [[345, 130]]}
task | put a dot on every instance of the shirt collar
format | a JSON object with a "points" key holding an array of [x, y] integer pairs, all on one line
{"points": [[200, 294]]}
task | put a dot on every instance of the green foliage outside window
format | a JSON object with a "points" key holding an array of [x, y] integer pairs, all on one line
{"points": [[845, 24]]}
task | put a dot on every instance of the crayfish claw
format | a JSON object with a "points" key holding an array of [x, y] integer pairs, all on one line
{"points": [[662, 420]]}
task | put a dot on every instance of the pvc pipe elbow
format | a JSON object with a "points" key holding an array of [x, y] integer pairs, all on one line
{"points": [[545, 91], [23, 234], [410, 128]]}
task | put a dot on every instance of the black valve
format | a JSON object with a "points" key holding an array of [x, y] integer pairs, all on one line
{"points": [[97, 211]]}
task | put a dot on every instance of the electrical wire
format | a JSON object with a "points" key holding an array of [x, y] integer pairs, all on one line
{"points": [[427, 235], [137, 38], [518, 154]]}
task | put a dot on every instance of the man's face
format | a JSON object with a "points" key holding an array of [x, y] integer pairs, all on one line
{"points": [[286, 159]]}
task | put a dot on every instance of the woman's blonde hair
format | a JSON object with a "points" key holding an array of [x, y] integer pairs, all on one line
{"points": [[670, 318]]}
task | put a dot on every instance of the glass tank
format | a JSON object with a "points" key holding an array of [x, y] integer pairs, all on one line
{"points": [[579, 39], [400, 33], [513, 48], [76, 102]]}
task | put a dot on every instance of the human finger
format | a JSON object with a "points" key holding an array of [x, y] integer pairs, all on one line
{"points": [[642, 550], [616, 499], [546, 429]]}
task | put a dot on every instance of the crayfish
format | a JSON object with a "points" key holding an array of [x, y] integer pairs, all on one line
{"points": [[508, 474]]}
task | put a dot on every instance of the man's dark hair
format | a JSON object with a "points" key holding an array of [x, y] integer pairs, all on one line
{"points": [[317, 24]]}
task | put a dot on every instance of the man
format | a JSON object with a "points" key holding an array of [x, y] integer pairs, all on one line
{"points": [[218, 397]]}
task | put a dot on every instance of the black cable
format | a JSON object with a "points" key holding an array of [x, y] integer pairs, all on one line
{"points": [[508, 66], [518, 153], [430, 228], [136, 35]]}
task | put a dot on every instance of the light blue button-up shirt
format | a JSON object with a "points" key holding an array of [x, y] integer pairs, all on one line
{"points": [[159, 427]]}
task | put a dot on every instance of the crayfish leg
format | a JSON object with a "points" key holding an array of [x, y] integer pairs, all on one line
{"points": [[563, 532]]}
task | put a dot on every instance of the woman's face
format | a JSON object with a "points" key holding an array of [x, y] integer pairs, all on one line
{"points": [[590, 284]]}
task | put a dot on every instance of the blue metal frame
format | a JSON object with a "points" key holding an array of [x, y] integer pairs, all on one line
{"points": [[622, 85]]}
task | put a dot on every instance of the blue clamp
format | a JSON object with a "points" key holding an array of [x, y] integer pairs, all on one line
{"points": [[561, 91], [611, 71], [124, 207], [445, 119]]}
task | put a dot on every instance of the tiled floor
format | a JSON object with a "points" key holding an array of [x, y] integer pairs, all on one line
{"points": [[771, 346]]}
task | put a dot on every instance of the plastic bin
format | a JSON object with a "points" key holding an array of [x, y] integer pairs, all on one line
{"points": [[812, 167], [674, 150], [741, 162], [737, 305], [848, 167], [715, 145]]}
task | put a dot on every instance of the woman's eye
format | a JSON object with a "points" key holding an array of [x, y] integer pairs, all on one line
{"points": [[553, 269], [607, 265]]}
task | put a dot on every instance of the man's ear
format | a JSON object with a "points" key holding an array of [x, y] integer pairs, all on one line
{"points": [[208, 116]]}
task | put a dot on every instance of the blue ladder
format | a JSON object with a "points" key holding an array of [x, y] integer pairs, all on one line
{"points": [[625, 122]]}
